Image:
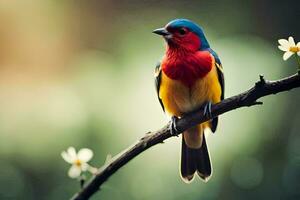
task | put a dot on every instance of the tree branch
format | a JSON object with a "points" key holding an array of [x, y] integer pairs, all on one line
{"points": [[249, 98]]}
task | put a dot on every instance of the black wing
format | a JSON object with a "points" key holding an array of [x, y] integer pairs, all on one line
{"points": [[219, 70], [214, 122], [221, 79], [157, 75]]}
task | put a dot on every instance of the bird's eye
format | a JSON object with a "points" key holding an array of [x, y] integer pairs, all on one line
{"points": [[182, 31]]}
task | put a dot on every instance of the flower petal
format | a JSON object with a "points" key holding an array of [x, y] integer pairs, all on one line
{"points": [[284, 42], [85, 155], [66, 157], [283, 48], [298, 44], [93, 170], [72, 153], [298, 53], [84, 167], [287, 54], [292, 41], [74, 171]]}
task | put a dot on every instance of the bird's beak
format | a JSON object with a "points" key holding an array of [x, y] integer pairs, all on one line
{"points": [[162, 31]]}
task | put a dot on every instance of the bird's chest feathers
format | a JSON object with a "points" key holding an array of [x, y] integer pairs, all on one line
{"points": [[187, 67]]}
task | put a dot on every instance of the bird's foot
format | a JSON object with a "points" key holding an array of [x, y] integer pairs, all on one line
{"points": [[207, 109], [173, 126]]}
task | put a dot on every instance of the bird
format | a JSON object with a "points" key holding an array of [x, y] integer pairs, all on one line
{"points": [[188, 77]]}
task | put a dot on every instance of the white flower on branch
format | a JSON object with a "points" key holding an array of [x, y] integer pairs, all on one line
{"points": [[289, 46], [79, 161]]}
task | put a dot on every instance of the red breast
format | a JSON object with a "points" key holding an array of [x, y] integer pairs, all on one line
{"points": [[187, 66]]}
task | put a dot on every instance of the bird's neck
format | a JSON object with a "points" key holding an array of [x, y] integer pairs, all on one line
{"points": [[186, 66]]}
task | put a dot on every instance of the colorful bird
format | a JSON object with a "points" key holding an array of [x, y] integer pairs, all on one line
{"points": [[188, 77]]}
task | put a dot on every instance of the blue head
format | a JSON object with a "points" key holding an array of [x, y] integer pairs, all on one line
{"points": [[183, 32]]}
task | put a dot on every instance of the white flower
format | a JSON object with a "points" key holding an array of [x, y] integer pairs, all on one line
{"points": [[289, 46], [77, 160]]}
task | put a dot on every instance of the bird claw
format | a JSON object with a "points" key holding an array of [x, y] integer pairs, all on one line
{"points": [[173, 126], [207, 110]]}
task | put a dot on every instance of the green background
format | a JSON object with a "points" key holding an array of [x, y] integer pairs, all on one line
{"points": [[80, 73]]}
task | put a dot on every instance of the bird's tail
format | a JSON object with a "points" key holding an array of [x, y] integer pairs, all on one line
{"points": [[195, 159]]}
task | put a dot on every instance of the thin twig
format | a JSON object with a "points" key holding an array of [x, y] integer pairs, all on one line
{"points": [[249, 98]]}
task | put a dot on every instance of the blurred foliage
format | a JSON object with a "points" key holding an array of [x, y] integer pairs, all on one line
{"points": [[80, 73]]}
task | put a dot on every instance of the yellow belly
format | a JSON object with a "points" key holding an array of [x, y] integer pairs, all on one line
{"points": [[179, 99]]}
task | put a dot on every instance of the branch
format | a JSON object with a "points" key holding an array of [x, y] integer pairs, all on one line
{"points": [[249, 98]]}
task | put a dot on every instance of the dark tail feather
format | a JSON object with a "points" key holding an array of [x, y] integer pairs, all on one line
{"points": [[193, 160]]}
